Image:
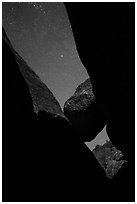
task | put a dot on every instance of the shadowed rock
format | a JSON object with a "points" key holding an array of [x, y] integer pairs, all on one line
{"points": [[42, 97], [82, 98], [109, 158], [83, 112]]}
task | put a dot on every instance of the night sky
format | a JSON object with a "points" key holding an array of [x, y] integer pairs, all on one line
{"points": [[100, 139], [41, 33]]}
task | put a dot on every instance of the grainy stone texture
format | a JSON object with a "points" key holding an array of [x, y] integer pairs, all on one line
{"points": [[42, 97], [82, 97], [109, 158]]}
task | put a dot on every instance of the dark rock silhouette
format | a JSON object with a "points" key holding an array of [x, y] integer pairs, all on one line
{"points": [[84, 99], [44, 157], [84, 113], [105, 38], [106, 47]]}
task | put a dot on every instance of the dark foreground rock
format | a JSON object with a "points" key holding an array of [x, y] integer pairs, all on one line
{"points": [[109, 59], [84, 113], [82, 100], [43, 157]]}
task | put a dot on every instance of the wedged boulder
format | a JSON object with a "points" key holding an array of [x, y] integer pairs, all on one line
{"points": [[83, 112], [82, 98]]}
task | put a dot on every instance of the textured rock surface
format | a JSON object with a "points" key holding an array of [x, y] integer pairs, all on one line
{"points": [[83, 112], [82, 98], [109, 158], [42, 97], [42, 156]]}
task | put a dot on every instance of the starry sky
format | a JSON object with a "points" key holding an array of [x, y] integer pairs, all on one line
{"points": [[41, 33]]}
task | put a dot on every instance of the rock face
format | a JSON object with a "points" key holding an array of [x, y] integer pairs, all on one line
{"points": [[82, 98], [42, 97], [36, 148], [83, 112], [42, 155], [32, 168], [109, 158]]}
